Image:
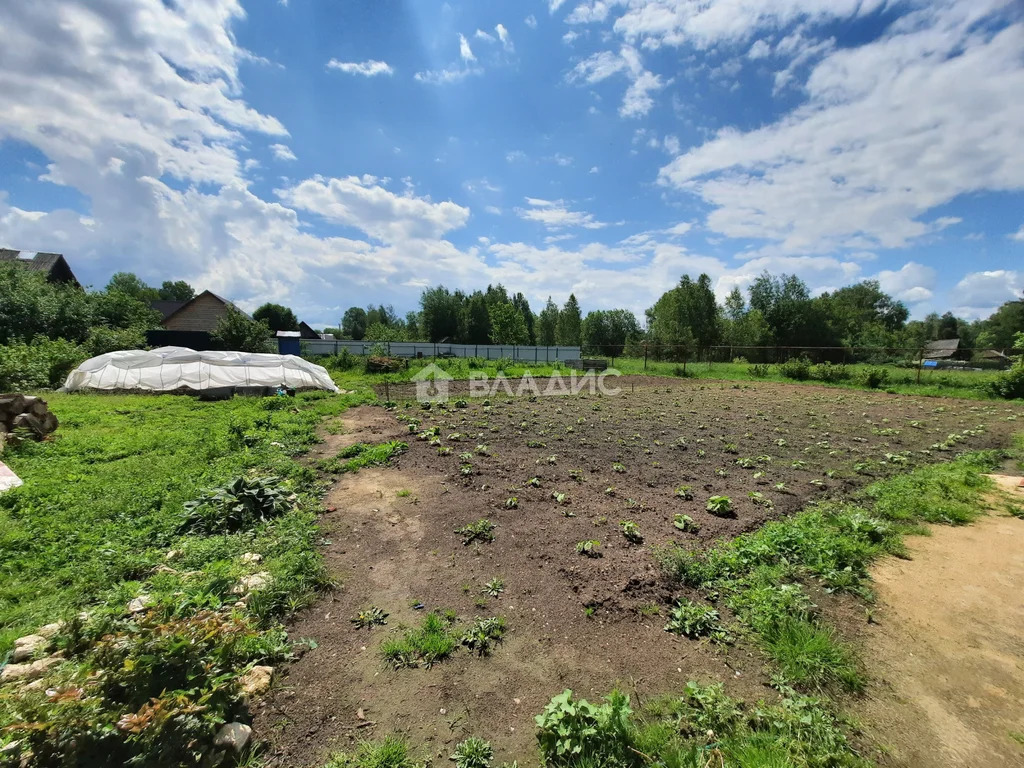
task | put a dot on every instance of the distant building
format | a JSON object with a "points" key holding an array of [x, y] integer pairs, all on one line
{"points": [[189, 323], [308, 332], [942, 349], [53, 265]]}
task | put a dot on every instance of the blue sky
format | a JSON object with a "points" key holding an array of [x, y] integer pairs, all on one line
{"points": [[325, 154]]}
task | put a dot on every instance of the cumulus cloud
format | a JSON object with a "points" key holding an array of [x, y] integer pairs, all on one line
{"points": [[466, 66], [978, 294], [282, 152], [598, 67], [554, 214], [1018, 235], [367, 68], [912, 283], [892, 129]]}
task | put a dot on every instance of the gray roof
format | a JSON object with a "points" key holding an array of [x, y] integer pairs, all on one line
{"points": [[166, 307], [941, 348], [53, 265]]}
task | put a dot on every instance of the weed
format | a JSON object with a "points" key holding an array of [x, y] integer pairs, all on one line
{"points": [[239, 505], [483, 634], [494, 587], [512, 502], [481, 530], [474, 752], [619, 468], [684, 492], [363, 455], [685, 523], [370, 617], [693, 620], [433, 642], [390, 752]]}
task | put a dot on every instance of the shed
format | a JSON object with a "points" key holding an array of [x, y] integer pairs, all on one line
{"points": [[941, 349], [306, 331], [288, 342]]}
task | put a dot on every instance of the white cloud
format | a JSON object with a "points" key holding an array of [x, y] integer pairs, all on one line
{"points": [[553, 214], [493, 210], [594, 169], [554, 5], [503, 35], [589, 12], [911, 283], [891, 130], [515, 156], [465, 52], [979, 294], [485, 36], [671, 144], [364, 204], [1018, 235], [531, 21], [282, 152], [600, 66], [759, 50], [367, 68]]}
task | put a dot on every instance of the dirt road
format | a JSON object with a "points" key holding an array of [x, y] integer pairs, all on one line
{"points": [[947, 654]]}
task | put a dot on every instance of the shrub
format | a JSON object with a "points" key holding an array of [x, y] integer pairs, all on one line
{"points": [[797, 368], [343, 361], [1008, 385], [383, 364], [875, 378], [830, 373], [239, 505], [759, 371], [43, 363]]}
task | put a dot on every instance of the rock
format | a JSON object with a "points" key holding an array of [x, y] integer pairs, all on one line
{"points": [[26, 647], [171, 554], [234, 737], [251, 557], [139, 604], [50, 630], [27, 672], [256, 681], [251, 583]]}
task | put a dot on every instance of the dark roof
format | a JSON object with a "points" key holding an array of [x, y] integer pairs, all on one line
{"points": [[993, 354], [307, 332], [941, 348], [53, 264], [166, 307]]}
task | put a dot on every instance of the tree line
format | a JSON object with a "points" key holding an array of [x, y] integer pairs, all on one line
{"points": [[777, 311]]}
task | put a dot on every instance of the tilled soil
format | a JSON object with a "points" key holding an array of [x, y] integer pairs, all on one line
{"points": [[577, 622]]}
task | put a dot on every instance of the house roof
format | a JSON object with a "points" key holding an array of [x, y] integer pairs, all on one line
{"points": [[941, 348], [185, 305], [166, 307], [307, 331], [53, 264]]}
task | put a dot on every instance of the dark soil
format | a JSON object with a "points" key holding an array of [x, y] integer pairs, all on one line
{"points": [[394, 551]]}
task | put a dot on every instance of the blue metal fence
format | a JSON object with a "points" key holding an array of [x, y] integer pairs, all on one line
{"points": [[427, 349]]}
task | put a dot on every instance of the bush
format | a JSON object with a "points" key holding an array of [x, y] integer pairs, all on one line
{"points": [[759, 371], [828, 372], [43, 363], [384, 364], [797, 368], [1008, 385], [343, 361], [571, 731], [103, 339], [875, 378]]}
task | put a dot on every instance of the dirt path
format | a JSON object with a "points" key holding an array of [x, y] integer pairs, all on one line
{"points": [[947, 653]]}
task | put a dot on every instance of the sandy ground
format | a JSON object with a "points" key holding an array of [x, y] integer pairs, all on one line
{"points": [[947, 653]]}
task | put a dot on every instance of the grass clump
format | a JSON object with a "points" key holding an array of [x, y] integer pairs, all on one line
{"points": [[390, 752], [356, 457], [702, 727], [432, 642], [481, 530], [473, 752]]}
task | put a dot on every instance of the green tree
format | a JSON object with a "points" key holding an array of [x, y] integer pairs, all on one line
{"points": [[440, 311], [569, 328], [381, 332], [353, 323], [277, 317], [507, 325], [477, 322], [519, 302], [31, 307], [238, 332], [735, 305], [177, 290], [412, 326], [547, 324], [130, 284], [1002, 325], [689, 308], [607, 332]]}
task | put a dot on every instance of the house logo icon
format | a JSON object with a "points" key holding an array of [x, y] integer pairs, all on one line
{"points": [[432, 384]]}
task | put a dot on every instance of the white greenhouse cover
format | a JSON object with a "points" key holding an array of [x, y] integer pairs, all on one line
{"points": [[167, 369]]}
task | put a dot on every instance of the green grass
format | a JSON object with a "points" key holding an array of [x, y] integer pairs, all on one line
{"points": [[392, 751], [102, 507], [761, 576], [356, 457], [432, 642]]}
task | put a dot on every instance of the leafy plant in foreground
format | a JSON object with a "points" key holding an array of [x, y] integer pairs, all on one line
{"points": [[370, 617], [481, 530], [588, 548], [239, 505], [483, 634], [473, 752], [720, 506], [693, 620], [631, 531]]}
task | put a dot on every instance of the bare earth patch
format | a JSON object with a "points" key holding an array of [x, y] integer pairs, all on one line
{"points": [[947, 655]]}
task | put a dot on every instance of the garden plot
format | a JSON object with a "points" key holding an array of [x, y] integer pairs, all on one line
{"points": [[562, 501]]}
